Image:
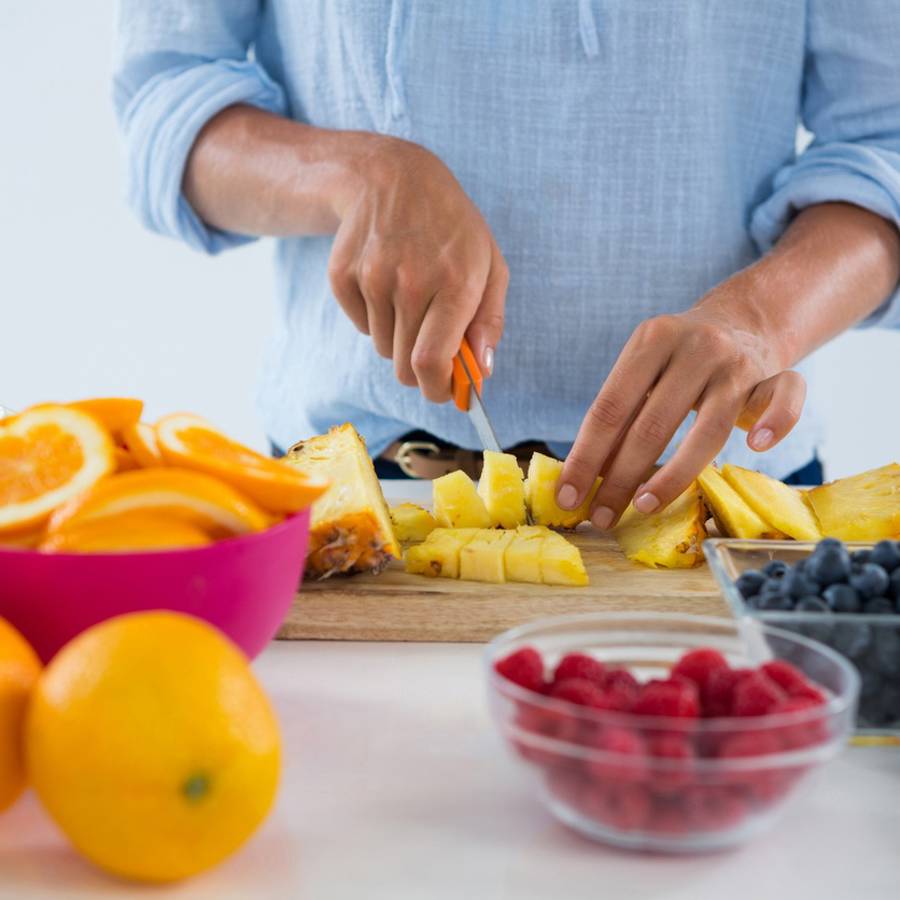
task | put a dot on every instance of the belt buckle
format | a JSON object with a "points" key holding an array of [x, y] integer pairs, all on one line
{"points": [[405, 451]]}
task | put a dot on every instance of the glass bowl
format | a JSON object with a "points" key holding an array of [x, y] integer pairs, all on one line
{"points": [[713, 797]]}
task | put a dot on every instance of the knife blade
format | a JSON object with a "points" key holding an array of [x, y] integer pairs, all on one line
{"points": [[467, 382]]}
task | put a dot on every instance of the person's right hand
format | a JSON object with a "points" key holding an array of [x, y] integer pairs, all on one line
{"points": [[415, 266]]}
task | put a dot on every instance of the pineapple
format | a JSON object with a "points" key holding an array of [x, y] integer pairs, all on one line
{"points": [[481, 559], [351, 529], [412, 523], [865, 507], [561, 562], [502, 489], [779, 504], [439, 554], [457, 504], [523, 556], [732, 514], [670, 538], [540, 494]]}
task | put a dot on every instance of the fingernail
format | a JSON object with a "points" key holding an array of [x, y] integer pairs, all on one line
{"points": [[646, 502], [489, 360], [567, 497], [761, 439], [602, 517]]}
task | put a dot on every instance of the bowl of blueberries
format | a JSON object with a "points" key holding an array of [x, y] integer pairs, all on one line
{"points": [[845, 595]]}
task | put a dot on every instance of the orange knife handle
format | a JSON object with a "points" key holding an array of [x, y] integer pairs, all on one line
{"points": [[460, 382]]}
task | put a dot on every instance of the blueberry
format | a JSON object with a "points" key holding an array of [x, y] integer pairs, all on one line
{"points": [[851, 640], [812, 603], [885, 657], [881, 709], [841, 598], [800, 565], [894, 588], [749, 582], [887, 555], [773, 601], [869, 580], [878, 606], [870, 683], [775, 569], [829, 544], [860, 556], [829, 566], [799, 584]]}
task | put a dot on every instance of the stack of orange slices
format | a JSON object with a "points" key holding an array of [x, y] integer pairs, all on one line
{"points": [[90, 476]]}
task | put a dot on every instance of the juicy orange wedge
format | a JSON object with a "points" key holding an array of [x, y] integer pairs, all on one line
{"points": [[27, 539], [190, 441], [48, 455], [191, 497], [140, 440], [129, 531], [116, 413], [125, 462]]}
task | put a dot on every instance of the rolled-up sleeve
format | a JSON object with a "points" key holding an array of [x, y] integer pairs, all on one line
{"points": [[177, 65], [851, 104]]}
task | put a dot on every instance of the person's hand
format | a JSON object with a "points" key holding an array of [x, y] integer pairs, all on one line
{"points": [[415, 266], [719, 358]]}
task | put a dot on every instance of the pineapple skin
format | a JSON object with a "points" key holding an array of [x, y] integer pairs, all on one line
{"points": [[482, 558], [864, 507], [540, 495], [733, 515], [456, 503], [502, 489], [412, 523]]}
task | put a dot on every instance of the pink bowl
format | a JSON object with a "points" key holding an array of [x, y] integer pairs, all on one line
{"points": [[244, 586]]}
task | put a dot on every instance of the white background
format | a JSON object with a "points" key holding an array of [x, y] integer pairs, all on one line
{"points": [[90, 304]]}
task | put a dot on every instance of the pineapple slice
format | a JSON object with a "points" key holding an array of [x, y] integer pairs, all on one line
{"points": [[502, 489], [779, 504], [670, 538], [457, 504], [864, 507], [412, 523], [481, 559], [438, 556], [351, 529], [732, 514], [561, 562], [540, 494], [523, 556]]}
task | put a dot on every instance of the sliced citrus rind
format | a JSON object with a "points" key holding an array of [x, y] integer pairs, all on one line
{"points": [[140, 441], [115, 413], [48, 455], [129, 532], [192, 442]]}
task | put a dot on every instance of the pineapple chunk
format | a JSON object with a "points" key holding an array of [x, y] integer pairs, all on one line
{"points": [[732, 514], [779, 504], [411, 522], [439, 554], [523, 556], [540, 494], [351, 528], [561, 562], [481, 559], [502, 489], [457, 504], [670, 538], [865, 507]]}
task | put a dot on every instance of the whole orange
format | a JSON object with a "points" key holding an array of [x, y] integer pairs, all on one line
{"points": [[151, 744], [19, 670]]}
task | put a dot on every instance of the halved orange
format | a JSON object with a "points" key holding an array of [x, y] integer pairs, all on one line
{"points": [[116, 413], [140, 439], [48, 455], [131, 531], [191, 497], [190, 441]]}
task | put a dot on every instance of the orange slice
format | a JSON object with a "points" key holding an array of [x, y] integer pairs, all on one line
{"points": [[191, 497], [48, 455], [190, 441], [125, 462], [127, 532], [27, 539], [116, 413], [140, 439]]}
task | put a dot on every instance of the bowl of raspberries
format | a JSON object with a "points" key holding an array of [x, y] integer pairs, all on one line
{"points": [[667, 732]]}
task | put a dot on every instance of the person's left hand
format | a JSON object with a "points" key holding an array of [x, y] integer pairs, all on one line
{"points": [[719, 358]]}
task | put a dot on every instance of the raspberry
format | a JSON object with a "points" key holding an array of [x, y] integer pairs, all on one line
{"points": [[580, 665], [630, 762], [667, 818], [718, 695], [786, 676], [667, 698], [623, 806], [808, 692], [551, 723], [678, 755], [750, 743], [580, 691], [697, 665], [621, 681], [803, 734], [756, 695], [524, 668], [710, 807], [567, 784]]}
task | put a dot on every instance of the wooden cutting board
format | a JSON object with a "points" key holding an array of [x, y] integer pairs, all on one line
{"points": [[394, 606]]}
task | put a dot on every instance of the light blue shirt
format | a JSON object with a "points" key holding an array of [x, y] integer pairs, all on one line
{"points": [[627, 155]]}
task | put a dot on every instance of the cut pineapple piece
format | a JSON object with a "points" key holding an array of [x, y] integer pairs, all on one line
{"points": [[411, 522], [481, 559], [438, 556], [457, 504], [523, 556], [502, 489], [864, 507], [670, 538], [779, 504], [540, 494], [733, 515], [351, 529], [561, 562]]}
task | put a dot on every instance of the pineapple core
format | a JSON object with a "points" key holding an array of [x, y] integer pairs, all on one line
{"points": [[457, 504], [540, 494], [411, 522], [733, 515], [502, 490], [864, 507]]}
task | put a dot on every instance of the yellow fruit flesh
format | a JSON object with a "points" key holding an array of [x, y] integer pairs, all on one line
{"points": [[671, 538], [502, 489], [438, 556], [561, 562], [412, 523], [540, 495], [864, 507], [457, 504], [733, 515], [351, 527], [481, 559], [779, 504], [522, 557]]}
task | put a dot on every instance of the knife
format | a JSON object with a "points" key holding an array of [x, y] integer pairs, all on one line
{"points": [[467, 383]]}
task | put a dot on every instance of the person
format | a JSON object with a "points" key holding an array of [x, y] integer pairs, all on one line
{"points": [[614, 189]]}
